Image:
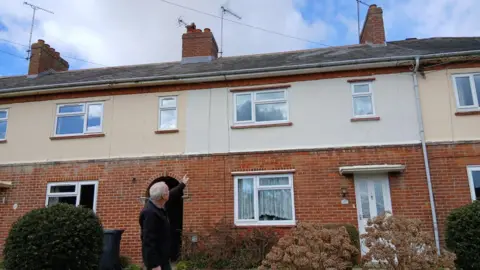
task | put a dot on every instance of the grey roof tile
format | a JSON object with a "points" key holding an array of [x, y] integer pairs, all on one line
{"points": [[311, 56]]}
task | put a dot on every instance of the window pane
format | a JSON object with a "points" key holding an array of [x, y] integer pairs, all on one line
{"points": [[361, 88], [94, 120], [245, 199], [362, 105], [169, 102], [3, 130], [55, 200], [464, 89], [70, 108], [61, 189], [364, 202], [87, 196], [270, 95], [274, 181], [168, 119], [477, 86], [379, 201], [244, 107], [275, 204], [271, 112], [476, 183], [70, 124], [3, 114]]}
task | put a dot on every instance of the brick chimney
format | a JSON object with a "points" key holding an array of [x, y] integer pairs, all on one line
{"points": [[198, 46], [44, 58], [373, 31]]}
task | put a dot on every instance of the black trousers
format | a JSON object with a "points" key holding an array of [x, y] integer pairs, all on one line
{"points": [[166, 266]]}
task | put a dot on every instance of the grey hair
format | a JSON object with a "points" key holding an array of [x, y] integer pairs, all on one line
{"points": [[158, 191]]}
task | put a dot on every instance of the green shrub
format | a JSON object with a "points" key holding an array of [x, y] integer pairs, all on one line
{"points": [[125, 261], [132, 267], [58, 237], [183, 265], [463, 235], [351, 230]]}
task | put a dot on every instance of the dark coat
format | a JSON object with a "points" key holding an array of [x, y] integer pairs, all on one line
{"points": [[155, 235]]}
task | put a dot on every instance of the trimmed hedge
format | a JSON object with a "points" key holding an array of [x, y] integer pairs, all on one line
{"points": [[352, 232], [58, 237], [463, 235]]}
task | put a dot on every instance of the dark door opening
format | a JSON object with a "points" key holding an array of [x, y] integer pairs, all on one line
{"points": [[174, 208]]}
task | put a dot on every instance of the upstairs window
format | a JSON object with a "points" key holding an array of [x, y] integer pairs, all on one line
{"points": [[362, 100], [467, 91], [474, 181], [261, 107], [167, 113], [75, 193], [3, 124], [78, 119]]}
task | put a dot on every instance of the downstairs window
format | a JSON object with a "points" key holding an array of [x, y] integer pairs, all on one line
{"points": [[264, 200], [75, 193]]}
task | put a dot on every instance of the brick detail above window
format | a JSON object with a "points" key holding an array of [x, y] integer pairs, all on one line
{"points": [[360, 119], [83, 136], [263, 125], [361, 80], [259, 88]]}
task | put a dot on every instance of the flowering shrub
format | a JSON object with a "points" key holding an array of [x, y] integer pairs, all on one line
{"points": [[311, 246], [399, 243]]}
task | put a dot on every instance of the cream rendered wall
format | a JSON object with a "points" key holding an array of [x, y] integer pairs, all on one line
{"points": [[320, 112], [437, 96], [129, 123]]}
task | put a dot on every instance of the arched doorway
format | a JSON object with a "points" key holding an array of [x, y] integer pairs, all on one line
{"points": [[174, 208]]}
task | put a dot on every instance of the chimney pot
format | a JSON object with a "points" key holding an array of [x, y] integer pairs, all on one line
{"points": [[373, 31], [44, 58], [207, 30]]}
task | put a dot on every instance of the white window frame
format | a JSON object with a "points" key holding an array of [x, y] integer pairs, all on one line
{"points": [[369, 94], [167, 108], [475, 105], [78, 186], [6, 121], [84, 112], [253, 95], [470, 170], [257, 187]]}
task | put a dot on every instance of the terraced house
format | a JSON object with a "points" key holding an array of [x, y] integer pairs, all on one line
{"points": [[331, 135]]}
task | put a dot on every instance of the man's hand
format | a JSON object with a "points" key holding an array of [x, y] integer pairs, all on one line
{"points": [[157, 268], [185, 179]]}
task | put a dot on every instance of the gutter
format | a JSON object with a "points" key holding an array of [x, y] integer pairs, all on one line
{"points": [[222, 75], [425, 153]]}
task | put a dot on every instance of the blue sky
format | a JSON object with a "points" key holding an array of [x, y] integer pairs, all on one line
{"points": [[123, 32]]}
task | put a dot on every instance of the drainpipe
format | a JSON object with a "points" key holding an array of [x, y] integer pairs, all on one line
{"points": [[425, 154]]}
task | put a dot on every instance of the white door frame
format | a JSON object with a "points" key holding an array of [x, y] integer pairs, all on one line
{"points": [[370, 180]]}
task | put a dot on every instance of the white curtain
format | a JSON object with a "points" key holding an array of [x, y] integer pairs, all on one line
{"points": [[245, 199], [275, 204]]}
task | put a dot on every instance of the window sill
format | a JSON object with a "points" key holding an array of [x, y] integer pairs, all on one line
{"points": [[83, 136], [360, 119], [286, 124], [471, 112], [253, 225], [166, 131], [3, 141]]}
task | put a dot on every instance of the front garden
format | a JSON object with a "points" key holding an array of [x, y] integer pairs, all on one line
{"points": [[66, 237]]}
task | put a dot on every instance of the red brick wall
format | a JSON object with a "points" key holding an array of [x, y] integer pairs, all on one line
{"points": [[448, 164], [316, 184]]}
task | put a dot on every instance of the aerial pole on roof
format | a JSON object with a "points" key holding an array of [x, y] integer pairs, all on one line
{"points": [[35, 8], [358, 20], [225, 11]]}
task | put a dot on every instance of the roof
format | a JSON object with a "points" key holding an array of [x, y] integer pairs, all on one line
{"points": [[395, 49]]}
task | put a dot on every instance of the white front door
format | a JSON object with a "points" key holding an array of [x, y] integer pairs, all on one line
{"points": [[373, 198]]}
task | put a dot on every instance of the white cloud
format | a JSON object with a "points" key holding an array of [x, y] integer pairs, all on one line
{"points": [[434, 18], [121, 32]]}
